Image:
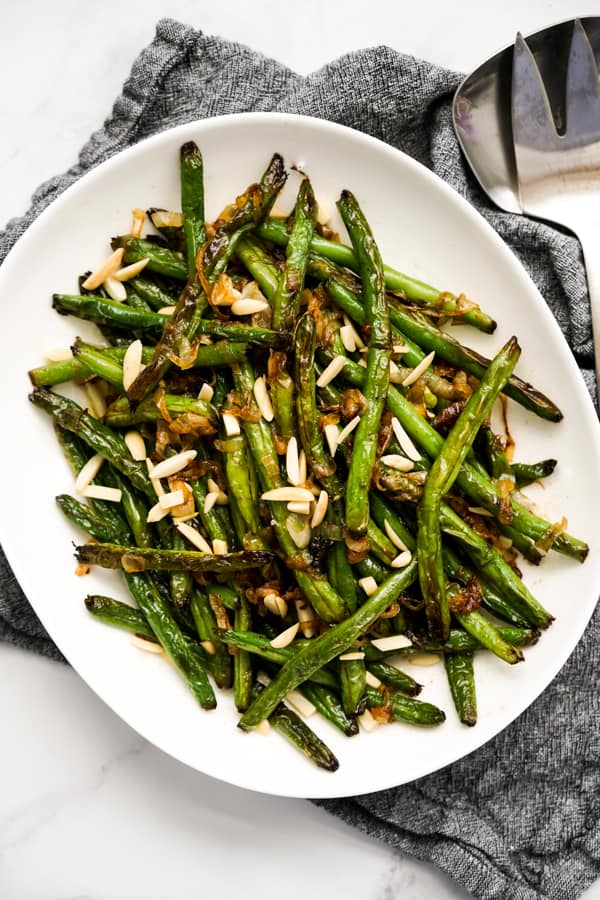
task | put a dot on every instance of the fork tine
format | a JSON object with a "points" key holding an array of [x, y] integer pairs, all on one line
{"points": [[532, 122], [582, 91]]}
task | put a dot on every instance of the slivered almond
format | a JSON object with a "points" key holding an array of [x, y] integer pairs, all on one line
{"points": [[292, 463], [286, 637], [300, 704], [402, 560], [166, 310], [100, 274], [156, 513], [357, 338], [194, 537], [58, 354], [115, 289], [156, 484], [166, 218], [288, 495], [302, 467], [138, 217], [347, 657], [367, 722], [372, 680], [101, 492], [209, 501], [88, 472], [209, 647], [368, 584], [136, 445], [206, 392], [223, 292], [404, 440], [349, 428], [132, 363], [299, 530], [395, 461], [394, 538], [348, 339], [130, 271], [173, 464], [424, 659], [263, 728], [171, 499], [212, 485], [306, 618], [219, 547], [276, 605], [320, 509], [331, 371], [261, 395], [231, 425], [395, 373], [363, 363], [252, 291], [419, 370], [146, 645], [480, 511], [248, 306], [96, 403], [303, 509], [394, 642], [331, 436]]}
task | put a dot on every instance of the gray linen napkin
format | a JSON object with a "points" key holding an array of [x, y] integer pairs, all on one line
{"points": [[518, 819]]}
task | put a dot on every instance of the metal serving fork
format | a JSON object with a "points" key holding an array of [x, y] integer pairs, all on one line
{"points": [[559, 173]]}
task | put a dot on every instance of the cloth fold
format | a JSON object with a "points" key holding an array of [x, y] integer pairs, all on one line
{"points": [[518, 819]]}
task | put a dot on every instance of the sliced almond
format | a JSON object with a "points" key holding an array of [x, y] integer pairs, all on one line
{"points": [[299, 531], [100, 274], [404, 440], [367, 722], [136, 445], [288, 495], [393, 642], [331, 371], [263, 401], [320, 509], [346, 657], [286, 637], [349, 428], [300, 704], [292, 462], [303, 509], [115, 289], [209, 501], [332, 433], [276, 605], [402, 560], [394, 538], [395, 461], [96, 403], [88, 472], [248, 306], [171, 499], [127, 272], [419, 370], [101, 492], [58, 354], [156, 513], [231, 425], [132, 363], [206, 392], [146, 645], [194, 537], [368, 584], [173, 464], [219, 547]]}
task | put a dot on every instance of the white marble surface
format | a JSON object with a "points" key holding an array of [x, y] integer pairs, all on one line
{"points": [[87, 808]]}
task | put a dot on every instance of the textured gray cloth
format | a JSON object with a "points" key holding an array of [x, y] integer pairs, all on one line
{"points": [[518, 819]]}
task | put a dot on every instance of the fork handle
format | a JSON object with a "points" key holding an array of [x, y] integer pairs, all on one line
{"points": [[589, 239]]}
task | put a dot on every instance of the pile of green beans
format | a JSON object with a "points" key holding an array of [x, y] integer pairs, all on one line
{"points": [[336, 501]]}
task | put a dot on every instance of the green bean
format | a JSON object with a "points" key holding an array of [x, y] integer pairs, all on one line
{"points": [[353, 683], [394, 678], [286, 301], [204, 619], [107, 312], [192, 202], [242, 664], [260, 646], [461, 678], [120, 415], [328, 704], [115, 556], [85, 518]]}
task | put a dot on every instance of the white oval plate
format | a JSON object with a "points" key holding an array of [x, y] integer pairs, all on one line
{"points": [[423, 227]]}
